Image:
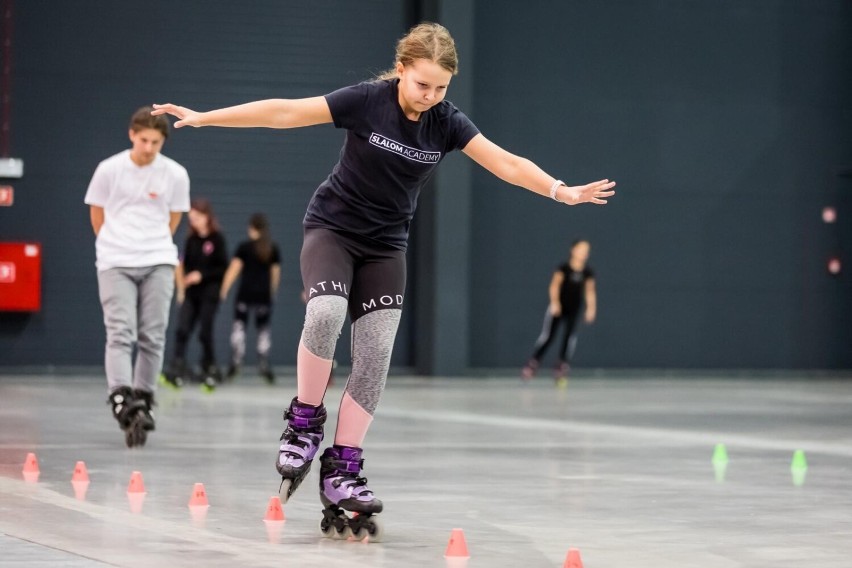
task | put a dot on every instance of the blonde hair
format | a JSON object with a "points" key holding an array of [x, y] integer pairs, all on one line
{"points": [[429, 41]]}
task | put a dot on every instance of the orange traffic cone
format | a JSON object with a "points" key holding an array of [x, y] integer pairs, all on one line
{"points": [[31, 471], [457, 547], [572, 559], [274, 512], [198, 505], [136, 492], [274, 520], [136, 484], [199, 496], [80, 472], [80, 481]]}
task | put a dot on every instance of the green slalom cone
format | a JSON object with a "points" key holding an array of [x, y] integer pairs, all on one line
{"points": [[720, 462], [799, 468]]}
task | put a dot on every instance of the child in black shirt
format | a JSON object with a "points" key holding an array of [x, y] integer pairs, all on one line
{"points": [[199, 278], [571, 288], [259, 262], [398, 128]]}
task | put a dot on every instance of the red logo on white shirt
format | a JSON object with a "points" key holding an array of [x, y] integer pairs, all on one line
{"points": [[153, 194]]}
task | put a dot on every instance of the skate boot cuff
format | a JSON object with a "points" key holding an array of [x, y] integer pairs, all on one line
{"points": [[343, 459], [304, 416]]}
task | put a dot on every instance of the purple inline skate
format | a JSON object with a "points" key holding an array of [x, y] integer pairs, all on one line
{"points": [[342, 490], [299, 444]]}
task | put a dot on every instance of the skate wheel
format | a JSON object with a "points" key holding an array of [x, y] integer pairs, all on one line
{"points": [[365, 526], [335, 525]]}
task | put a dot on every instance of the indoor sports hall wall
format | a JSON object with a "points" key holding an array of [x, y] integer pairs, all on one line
{"points": [[727, 124], [82, 68]]}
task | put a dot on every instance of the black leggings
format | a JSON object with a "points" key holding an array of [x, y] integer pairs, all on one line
{"points": [[197, 307], [548, 334]]}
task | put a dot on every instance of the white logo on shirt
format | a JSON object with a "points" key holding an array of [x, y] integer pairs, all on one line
{"points": [[405, 151]]}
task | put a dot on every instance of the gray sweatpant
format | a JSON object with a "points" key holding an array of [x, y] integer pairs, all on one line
{"points": [[136, 305]]}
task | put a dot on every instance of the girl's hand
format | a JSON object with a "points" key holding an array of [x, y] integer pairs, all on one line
{"points": [[596, 192], [590, 316], [192, 278], [555, 309], [187, 116]]}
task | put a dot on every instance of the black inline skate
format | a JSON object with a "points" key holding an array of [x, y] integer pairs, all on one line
{"points": [[132, 414], [174, 377]]}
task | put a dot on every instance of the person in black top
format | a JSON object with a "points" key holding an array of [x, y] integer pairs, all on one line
{"points": [[259, 262], [398, 128], [571, 287], [199, 278]]}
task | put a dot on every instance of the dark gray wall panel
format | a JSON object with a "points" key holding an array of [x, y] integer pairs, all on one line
{"points": [[724, 124], [81, 68]]}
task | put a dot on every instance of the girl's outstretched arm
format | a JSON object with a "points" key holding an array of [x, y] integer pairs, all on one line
{"points": [[270, 113], [521, 171]]}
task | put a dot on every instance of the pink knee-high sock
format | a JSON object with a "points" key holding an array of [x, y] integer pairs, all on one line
{"points": [[312, 375], [352, 423]]}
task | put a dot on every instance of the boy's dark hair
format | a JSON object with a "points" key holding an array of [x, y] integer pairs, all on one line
{"points": [[142, 119]]}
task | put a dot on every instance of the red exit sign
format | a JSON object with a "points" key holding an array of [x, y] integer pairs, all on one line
{"points": [[7, 196]]}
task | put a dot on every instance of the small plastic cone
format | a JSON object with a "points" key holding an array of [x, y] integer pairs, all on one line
{"points": [[136, 484], [572, 559], [720, 454], [80, 472], [274, 512], [31, 471], [457, 546], [799, 460], [199, 496], [799, 468]]}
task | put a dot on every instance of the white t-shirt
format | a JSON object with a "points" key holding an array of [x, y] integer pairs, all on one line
{"points": [[137, 202]]}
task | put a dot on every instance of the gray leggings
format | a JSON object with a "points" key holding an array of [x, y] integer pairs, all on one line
{"points": [[344, 273], [136, 305]]}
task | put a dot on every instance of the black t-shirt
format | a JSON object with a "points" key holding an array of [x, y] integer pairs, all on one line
{"points": [[255, 283], [208, 256], [385, 160], [573, 291]]}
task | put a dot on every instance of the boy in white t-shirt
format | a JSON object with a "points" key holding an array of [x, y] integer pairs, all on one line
{"points": [[136, 199]]}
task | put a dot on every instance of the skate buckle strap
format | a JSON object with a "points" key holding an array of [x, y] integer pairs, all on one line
{"points": [[304, 416], [348, 466], [299, 421]]}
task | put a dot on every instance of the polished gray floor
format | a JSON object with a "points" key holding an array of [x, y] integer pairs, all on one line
{"points": [[617, 467]]}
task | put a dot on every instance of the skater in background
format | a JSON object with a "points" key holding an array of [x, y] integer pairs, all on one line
{"points": [[199, 278], [571, 287], [398, 128], [257, 262], [136, 199]]}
